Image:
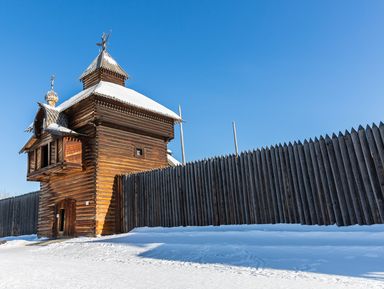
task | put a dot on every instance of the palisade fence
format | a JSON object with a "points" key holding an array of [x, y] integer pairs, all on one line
{"points": [[18, 215], [332, 180]]}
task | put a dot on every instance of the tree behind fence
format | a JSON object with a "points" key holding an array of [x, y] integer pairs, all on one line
{"points": [[18, 215], [332, 180]]}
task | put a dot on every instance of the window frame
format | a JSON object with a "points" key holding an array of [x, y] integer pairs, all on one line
{"points": [[45, 155], [139, 148]]}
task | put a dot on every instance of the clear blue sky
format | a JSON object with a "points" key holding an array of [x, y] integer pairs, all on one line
{"points": [[284, 70]]}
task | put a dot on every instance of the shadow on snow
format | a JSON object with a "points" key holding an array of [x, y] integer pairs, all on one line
{"points": [[356, 251]]}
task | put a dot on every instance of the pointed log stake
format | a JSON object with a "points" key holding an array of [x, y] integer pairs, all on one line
{"points": [[182, 138]]}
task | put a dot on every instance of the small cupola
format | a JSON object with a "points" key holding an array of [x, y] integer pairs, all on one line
{"points": [[103, 68], [51, 96]]}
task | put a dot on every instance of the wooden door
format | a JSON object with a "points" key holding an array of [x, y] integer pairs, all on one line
{"points": [[65, 218]]}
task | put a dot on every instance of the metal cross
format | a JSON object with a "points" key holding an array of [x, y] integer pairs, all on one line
{"points": [[104, 40], [52, 81]]}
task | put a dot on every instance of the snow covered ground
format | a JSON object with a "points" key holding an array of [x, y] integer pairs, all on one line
{"points": [[248, 256]]}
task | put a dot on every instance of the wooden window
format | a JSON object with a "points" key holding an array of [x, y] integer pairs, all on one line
{"points": [[139, 152], [44, 156]]}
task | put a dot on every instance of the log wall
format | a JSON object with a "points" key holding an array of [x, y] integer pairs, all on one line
{"points": [[77, 185], [18, 215], [102, 74], [331, 180], [110, 134], [119, 132]]}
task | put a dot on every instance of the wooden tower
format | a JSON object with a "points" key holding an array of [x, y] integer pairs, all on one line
{"points": [[78, 147]]}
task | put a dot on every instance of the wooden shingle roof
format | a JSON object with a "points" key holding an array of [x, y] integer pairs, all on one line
{"points": [[104, 60], [53, 115], [54, 121]]}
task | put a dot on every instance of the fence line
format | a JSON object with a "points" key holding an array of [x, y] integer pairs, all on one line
{"points": [[18, 215], [330, 180]]}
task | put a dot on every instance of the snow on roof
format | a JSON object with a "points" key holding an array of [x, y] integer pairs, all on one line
{"points": [[122, 94], [54, 128], [172, 161], [30, 127], [104, 60], [29, 144]]}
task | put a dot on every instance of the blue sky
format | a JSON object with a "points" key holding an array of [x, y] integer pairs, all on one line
{"points": [[284, 70]]}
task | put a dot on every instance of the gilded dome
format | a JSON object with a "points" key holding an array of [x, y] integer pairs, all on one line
{"points": [[51, 97]]}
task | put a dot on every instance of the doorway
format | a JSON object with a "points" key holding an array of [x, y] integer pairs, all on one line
{"points": [[65, 218]]}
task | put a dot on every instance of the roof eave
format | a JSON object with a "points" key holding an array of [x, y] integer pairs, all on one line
{"points": [[176, 119], [28, 145]]}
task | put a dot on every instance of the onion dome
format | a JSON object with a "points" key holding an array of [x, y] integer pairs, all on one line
{"points": [[51, 97]]}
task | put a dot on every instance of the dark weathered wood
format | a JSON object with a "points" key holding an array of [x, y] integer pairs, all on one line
{"points": [[231, 190], [275, 190], [225, 218], [319, 182], [357, 177], [312, 184], [344, 194], [19, 215], [351, 190], [249, 176], [293, 170], [288, 184], [204, 196], [299, 173], [308, 199], [321, 198], [324, 183], [242, 188], [273, 208], [281, 198], [371, 159], [283, 183], [378, 142], [368, 186], [257, 185], [331, 182]]}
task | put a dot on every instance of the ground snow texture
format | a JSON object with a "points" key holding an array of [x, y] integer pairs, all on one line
{"points": [[247, 256]]}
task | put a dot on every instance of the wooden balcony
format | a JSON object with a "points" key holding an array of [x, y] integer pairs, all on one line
{"points": [[58, 157], [60, 168]]}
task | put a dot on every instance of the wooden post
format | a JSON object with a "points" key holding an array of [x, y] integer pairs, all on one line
{"points": [[182, 138], [235, 139], [364, 175]]}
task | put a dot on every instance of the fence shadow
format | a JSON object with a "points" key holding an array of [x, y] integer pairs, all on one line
{"points": [[352, 251]]}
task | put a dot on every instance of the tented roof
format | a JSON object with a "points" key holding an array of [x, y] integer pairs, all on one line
{"points": [[104, 60]]}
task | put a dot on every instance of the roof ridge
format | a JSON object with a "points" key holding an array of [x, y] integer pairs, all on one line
{"points": [[64, 105]]}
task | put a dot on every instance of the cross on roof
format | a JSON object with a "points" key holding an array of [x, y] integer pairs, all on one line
{"points": [[104, 40], [52, 81]]}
